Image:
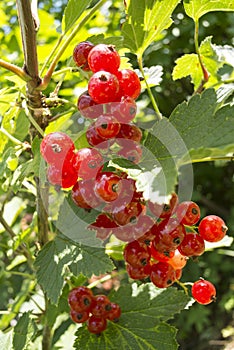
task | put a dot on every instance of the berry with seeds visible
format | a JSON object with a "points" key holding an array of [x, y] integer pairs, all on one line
{"points": [[107, 186], [87, 162], [107, 126], [137, 254], [80, 299]]}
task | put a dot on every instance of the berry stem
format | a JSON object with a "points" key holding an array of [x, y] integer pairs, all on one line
{"points": [[67, 41], [182, 285], [153, 101]]}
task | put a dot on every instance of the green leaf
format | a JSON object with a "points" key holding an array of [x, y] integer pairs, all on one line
{"points": [[146, 19], [198, 8], [73, 11], [142, 322], [23, 332], [73, 221], [56, 255], [152, 74], [6, 340]]}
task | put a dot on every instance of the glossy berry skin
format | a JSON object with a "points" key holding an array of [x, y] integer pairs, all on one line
{"points": [[130, 150], [79, 317], [80, 54], [96, 324], [159, 256], [129, 83], [101, 306], [142, 229], [107, 126], [162, 275], [125, 110], [57, 147], [104, 226], [138, 273], [129, 214], [107, 186], [212, 228], [84, 196], [170, 234], [115, 312], [88, 107], [80, 299], [87, 162], [203, 292], [103, 87], [95, 140], [192, 245], [104, 57], [188, 213], [64, 176], [164, 211], [178, 261], [137, 254], [130, 132]]}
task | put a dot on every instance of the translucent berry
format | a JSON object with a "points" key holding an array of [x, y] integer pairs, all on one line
{"points": [[95, 140], [138, 273], [192, 245], [162, 275], [188, 213], [131, 132], [164, 211], [80, 54], [137, 254], [101, 306], [96, 324], [129, 83], [64, 176], [80, 299], [212, 228], [107, 126], [104, 226], [84, 196], [57, 147], [107, 186], [178, 261], [130, 150], [115, 312], [104, 57], [79, 317], [203, 292], [87, 162], [124, 110], [88, 107], [128, 214], [103, 87], [169, 233]]}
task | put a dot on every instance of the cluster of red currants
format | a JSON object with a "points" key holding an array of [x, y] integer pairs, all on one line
{"points": [[162, 251], [95, 310]]}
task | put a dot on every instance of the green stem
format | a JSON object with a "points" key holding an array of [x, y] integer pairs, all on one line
{"points": [[10, 137], [15, 69], [196, 43], [153, 101], [73, 33], [212, 159]]}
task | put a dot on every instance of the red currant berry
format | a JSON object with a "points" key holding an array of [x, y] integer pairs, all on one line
{"points": [[107, 126], [142, 229], [159, 256], [64, 176], [103, 87], [80, 54], [169, 233], [107, 186], [115, 312], [88, 107], [129, 83], [130, 150], [95, 140], [101, 306], [124, 110], [57, 147], [188, 213], [80, 299], [164, 211], [212, 228], [79, 317], [178, 274], [178, 261], [162, 275], [203, 292], [96, 324], [103, 226], [192, 245], [137, 254], [138, 273], [129, 213], [104, 57], [87, 162], [131, 132], [84, 196]]}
